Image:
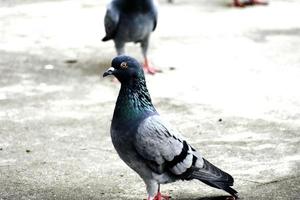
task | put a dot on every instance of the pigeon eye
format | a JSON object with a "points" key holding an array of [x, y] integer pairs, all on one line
{"points": [[124, 65]]}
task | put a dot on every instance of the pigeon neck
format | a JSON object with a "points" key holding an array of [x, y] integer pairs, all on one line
{"points": [[133, 104]]}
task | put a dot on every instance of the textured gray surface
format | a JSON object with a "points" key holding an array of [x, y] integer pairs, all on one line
{"points": [[238, 65]]}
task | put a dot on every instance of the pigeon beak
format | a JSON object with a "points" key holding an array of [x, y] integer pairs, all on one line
{"points": [[110, 71]]}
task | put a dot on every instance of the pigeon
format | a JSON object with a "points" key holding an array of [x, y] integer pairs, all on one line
{"points": [[131, 21], [244, 3], [148, 144]]}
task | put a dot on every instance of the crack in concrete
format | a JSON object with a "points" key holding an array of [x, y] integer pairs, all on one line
{"points": [[250, 181], [280, 180], [269, 182]]}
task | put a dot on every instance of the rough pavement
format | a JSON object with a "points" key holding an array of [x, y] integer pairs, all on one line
{"points": [[230, 84]]}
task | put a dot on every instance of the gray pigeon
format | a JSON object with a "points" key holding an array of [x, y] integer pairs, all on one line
{"points": [[148, 144], [131, 21]]}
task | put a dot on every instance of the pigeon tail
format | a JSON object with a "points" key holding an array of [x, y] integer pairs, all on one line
{"points": [[224, 186], [106, 38], [215, 177]]}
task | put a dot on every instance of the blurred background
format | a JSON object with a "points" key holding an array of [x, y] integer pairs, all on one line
{"points": [[230, 84]]}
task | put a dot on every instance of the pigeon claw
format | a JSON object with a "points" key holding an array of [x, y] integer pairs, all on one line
{"points": [[159, 196], [149, 69]]}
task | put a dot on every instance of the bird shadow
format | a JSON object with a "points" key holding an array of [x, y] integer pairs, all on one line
{"points": [[207, 198]]}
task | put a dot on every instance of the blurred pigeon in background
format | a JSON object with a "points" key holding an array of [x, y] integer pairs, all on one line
{"points": [[149, 145], [131, 21], [242, 3]]}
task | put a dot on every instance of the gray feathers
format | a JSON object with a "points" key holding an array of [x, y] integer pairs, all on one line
{"points": [[111, 21], [154, 142]]}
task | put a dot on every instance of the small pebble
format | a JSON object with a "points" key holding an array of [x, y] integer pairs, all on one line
{"points": [[71, 61], [28, 151], [220, 120], [49, 67]]}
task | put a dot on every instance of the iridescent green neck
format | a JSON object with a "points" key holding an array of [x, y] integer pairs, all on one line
{"points": [[133, 104]]}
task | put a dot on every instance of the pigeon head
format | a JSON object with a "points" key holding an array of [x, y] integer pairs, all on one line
{"points": [[126, 69], [134, 102]]}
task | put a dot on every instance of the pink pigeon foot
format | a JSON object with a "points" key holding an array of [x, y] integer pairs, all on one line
{"points": [[237, 3], [149, 69], [159, 196]]}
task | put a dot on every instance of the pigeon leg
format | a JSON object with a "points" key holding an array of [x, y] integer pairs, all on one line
{"points": [[120, 47], [159, 196], [148, 68]]}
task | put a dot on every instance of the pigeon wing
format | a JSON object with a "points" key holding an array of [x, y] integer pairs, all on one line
{"points": [[165, 150], [111, 20]]}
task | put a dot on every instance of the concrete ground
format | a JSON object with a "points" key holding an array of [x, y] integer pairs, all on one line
{"points": [[230, 84]]}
